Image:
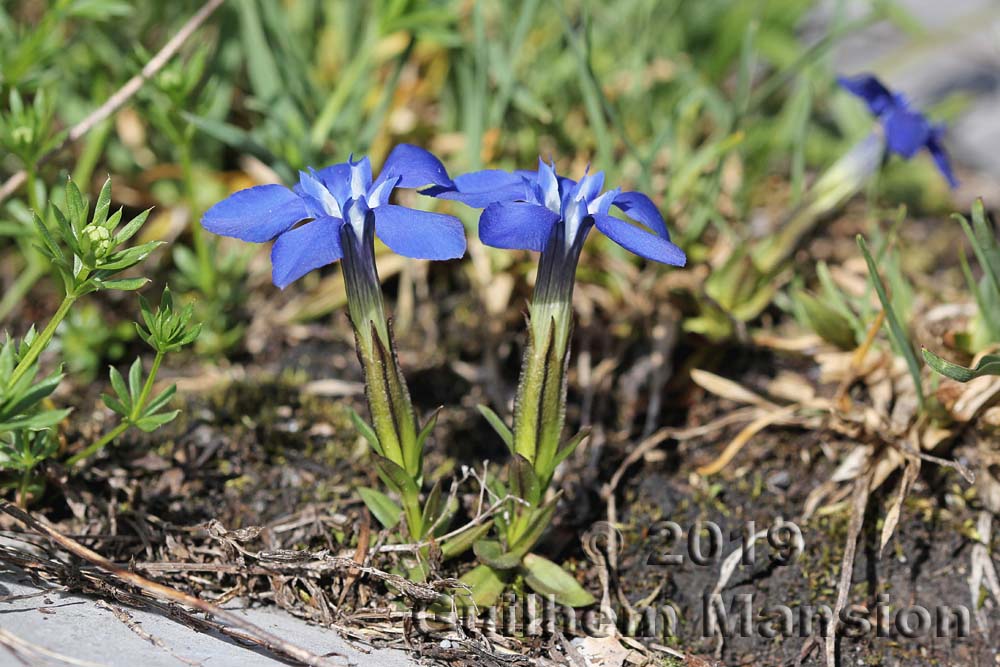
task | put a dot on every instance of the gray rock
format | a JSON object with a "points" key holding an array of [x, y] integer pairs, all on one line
{"points": [[79, 628]]}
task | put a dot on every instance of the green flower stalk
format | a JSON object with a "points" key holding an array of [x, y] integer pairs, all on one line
{"points": [[543, 212], [343, 209], [394, 421], [540, 406]]}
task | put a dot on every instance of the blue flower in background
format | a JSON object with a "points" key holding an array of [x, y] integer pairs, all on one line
{"points": [[339, 202], [527, 209], [906, 130]]}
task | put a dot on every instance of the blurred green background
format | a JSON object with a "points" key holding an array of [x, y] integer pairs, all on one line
{"points": [[715, 108]]}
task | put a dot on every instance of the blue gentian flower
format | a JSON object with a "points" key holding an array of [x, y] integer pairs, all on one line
{"points": [[906, 130], [540, 211], [339, 203], [528, 210]]}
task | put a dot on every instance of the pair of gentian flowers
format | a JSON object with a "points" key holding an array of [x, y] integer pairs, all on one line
{"points": [[522, 209]]}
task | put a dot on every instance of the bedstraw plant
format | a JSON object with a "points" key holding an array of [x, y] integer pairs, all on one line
{"points": [[89, 253]]}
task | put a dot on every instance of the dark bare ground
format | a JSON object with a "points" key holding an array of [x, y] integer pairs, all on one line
{"points": [[926, 563]]}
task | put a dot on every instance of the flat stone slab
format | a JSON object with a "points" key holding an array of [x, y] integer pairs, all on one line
{"points": [[50, 628]]}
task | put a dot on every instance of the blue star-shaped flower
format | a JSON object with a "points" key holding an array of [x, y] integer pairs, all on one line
{"points": [[523, 209], [906, 130], [339, 195]]}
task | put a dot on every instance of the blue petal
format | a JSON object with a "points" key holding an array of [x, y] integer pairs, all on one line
{"points": [[361, 177], [641, 208], [415, 167], [603, 203], [256, 214], [871, 90], [940, 156], [548, 187], [318, 193], [481, 188], [313, 206], [303, 249], [516, 225], [420, 234], [337, 179], [589, 186], [906, 132], [640, 241], [379, 193]]}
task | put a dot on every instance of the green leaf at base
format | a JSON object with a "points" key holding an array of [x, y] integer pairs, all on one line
{"points": [[547, 578], [462, 542], [491, 553], [485, 584], [385, 511], [988, 365]]}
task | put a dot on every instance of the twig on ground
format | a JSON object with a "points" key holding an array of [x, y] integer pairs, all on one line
{"points": [[135, 627], [269, 640], [862, 490]]}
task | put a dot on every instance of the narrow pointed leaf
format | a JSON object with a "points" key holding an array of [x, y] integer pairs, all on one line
{"points": [[539, 524], [118, 384], [366, 431], [462, 542], [135, 382], [103, 203], [988, 365], [570, 447], [428, 428], [385, 511], [895, 327], [150, 423], [434, 505], [498, 425], [394, 475]]}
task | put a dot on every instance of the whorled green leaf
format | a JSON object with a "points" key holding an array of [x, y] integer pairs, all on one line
{"points": [[123, 284], [160, 400], [35, 422], [150, 423], [135, 382], [118, 384]]}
